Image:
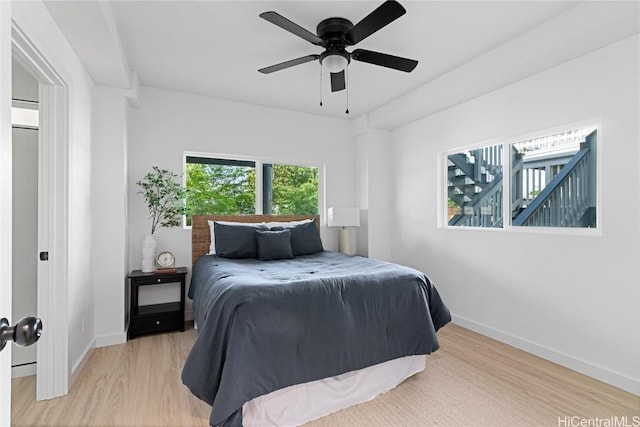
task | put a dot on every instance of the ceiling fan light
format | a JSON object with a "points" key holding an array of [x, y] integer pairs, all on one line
{"points": [[334, 63]]}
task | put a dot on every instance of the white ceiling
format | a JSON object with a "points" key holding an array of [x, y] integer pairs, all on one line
{"points": [[214, 48]]}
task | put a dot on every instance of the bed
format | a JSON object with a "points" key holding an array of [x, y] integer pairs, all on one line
{"points": [[286, 336]]}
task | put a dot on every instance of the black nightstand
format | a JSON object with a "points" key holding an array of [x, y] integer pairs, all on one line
{"points": [[147, 319]]}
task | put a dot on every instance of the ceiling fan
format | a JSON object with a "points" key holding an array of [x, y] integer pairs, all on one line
{"points": [[335, 34]]}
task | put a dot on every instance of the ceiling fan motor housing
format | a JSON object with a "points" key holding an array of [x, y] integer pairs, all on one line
{"points": [[331, 31], [333, 28]]}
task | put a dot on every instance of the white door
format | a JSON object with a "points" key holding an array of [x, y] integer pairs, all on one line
{"points": [[53, 367], [5, 204]]}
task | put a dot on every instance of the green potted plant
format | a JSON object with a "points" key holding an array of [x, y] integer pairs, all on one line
{"points": [[165, 197]]}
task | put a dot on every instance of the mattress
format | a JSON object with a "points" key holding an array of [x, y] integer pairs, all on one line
{"points": [[302, 403]]}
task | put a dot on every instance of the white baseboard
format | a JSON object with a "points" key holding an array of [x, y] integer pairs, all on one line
{"points": [[600, 373], [23, 370], [77, 369], [103, 341], [107, 340]]}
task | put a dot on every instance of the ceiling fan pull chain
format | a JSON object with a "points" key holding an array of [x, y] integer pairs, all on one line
{"points": [[346, 72], [321, 85]]}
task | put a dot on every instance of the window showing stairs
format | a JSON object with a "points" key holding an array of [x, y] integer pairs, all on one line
{"points": [[553, 183], [475, 187]]}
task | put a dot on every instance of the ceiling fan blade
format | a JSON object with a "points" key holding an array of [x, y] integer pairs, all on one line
{"points": [[384, 60], [385, 14], [292, 27], [287, 64], [337, 81]]}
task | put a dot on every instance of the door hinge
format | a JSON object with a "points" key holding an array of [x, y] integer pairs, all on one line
{"points": [[44, 256]]}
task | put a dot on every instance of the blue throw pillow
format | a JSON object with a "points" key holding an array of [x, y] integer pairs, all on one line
{"points": [[305, 239], [237, 241], [274, 245]]}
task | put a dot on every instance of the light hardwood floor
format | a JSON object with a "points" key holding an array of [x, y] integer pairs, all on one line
{"points": [[471, 381]]}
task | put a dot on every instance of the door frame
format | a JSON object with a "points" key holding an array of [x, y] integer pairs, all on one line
{"points": [[52, 367]]}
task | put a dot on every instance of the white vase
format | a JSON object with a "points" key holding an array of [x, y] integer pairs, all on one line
{"points": [[148, 253]]}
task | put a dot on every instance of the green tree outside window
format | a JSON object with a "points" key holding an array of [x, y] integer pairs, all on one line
{"points": [[228, 187]]}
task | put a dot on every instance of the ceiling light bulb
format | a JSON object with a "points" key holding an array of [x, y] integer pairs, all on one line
{"points": [[335, 63]]}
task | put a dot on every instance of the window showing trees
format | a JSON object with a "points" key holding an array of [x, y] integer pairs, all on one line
{"points": [[551, 181], [219, 186], [290, 190]]}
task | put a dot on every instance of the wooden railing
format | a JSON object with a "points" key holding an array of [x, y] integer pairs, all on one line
{"points": [[488, 158], [485, 209], [564, 199], [485, 171]]}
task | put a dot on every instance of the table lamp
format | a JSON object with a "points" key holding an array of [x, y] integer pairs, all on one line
{"points": [[343, 218]]}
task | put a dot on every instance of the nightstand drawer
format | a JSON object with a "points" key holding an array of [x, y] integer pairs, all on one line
{"points": [[157, 279], [157, 322]]}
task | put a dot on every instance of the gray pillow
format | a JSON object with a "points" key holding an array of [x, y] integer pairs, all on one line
{"points": [[237, 241], [274, 245], [305, 239]]}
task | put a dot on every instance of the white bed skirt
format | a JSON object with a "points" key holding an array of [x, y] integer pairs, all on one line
{"points": [[301, 403]]}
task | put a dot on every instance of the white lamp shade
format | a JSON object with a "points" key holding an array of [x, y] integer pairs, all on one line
{"points": [[343, 217]]}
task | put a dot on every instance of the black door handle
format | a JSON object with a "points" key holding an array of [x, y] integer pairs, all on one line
{"points": [[24, 333]]}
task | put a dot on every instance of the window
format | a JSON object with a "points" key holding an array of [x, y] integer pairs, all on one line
{"points": [[290, 190], [475, 187], [551, 178], [554, 180], [220, 186]]}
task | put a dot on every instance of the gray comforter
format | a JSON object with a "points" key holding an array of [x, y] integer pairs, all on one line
{"points": [[265, 325]]}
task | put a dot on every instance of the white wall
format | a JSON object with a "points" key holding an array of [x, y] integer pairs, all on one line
{"points": [[571, 299], [23, 85], [373, 151], [169, 123], [109, 268], [25, 237], [25, 218]]}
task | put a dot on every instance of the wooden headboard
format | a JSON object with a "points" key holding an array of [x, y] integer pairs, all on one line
{"points": [[201, 237]]}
